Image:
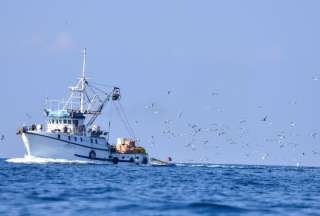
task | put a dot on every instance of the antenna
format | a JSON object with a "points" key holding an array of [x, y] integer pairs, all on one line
{"points": [[84, 51], [82, 80]]}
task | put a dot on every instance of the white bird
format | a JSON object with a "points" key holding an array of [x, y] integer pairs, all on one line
{"points": [[265, 156], [243, 121], [314, 135]]}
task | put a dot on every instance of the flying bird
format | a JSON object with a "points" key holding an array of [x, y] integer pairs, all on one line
{"points": [[264, 119]]}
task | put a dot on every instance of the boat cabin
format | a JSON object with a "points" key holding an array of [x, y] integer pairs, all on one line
{"points": [[66, 121]]}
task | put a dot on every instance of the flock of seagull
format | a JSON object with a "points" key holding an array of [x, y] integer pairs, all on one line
{"points": [[201, 137]]}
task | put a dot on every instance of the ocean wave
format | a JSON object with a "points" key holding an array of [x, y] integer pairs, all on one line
{"points": [[36, 160], [203, 165], [216, 207]]}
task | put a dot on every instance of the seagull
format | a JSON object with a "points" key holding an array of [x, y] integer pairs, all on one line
{"points": [[264, 119], [314, 135], [167, 121], [169, 92], [214, 94], [180, 115], [221, 133], [67, 22], [28, 115], [205, 142], [265, 156], [152, 142], [2, 137], [152, 105]]}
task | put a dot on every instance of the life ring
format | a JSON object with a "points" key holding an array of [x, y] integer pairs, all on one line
{"points": [[115, 160], [92, 155]]}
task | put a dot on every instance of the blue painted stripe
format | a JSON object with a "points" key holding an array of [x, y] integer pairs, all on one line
{"points": [[100, 149], [102, 159]]}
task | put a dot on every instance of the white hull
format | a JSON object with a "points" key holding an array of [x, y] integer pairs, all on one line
{"points": [[42, 145]]}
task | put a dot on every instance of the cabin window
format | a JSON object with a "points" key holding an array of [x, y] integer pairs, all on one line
{"points": [[91, 140], [58, 136], [57, 121], [64, 121], [75, 122], [96, 141], [69, 121], [60, 121], [69, 138], [75, 139], [81, 139]]}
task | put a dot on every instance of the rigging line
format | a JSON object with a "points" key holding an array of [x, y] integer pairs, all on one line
{"points": [[126, 117], [94, 87], [125, 120], [126, 125], [129, 129], [121, 118], [94, 92], [100, 84], [86, 94]]}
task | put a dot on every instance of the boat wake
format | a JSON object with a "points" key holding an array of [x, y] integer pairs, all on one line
{"points": [[36, 160]]}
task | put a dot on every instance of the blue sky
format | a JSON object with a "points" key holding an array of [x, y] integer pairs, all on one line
{"points": [[227, 64]]}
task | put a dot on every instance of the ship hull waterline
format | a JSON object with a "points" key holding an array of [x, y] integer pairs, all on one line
{"points": [[39, 146]]}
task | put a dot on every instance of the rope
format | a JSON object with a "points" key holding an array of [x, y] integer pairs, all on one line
{"points": [[124, 121], [126, 118]]}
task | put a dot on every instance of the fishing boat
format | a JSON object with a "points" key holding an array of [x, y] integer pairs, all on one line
{"points": [[70, 132]]}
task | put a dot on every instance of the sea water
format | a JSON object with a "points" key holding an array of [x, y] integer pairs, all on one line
{"points": [[53, 187]]}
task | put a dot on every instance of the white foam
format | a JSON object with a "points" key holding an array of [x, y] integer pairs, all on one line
{"points": [[30, 160], [204, 165]]}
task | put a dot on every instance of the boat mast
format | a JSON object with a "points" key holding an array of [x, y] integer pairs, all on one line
{"points": [[83, 81]]}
